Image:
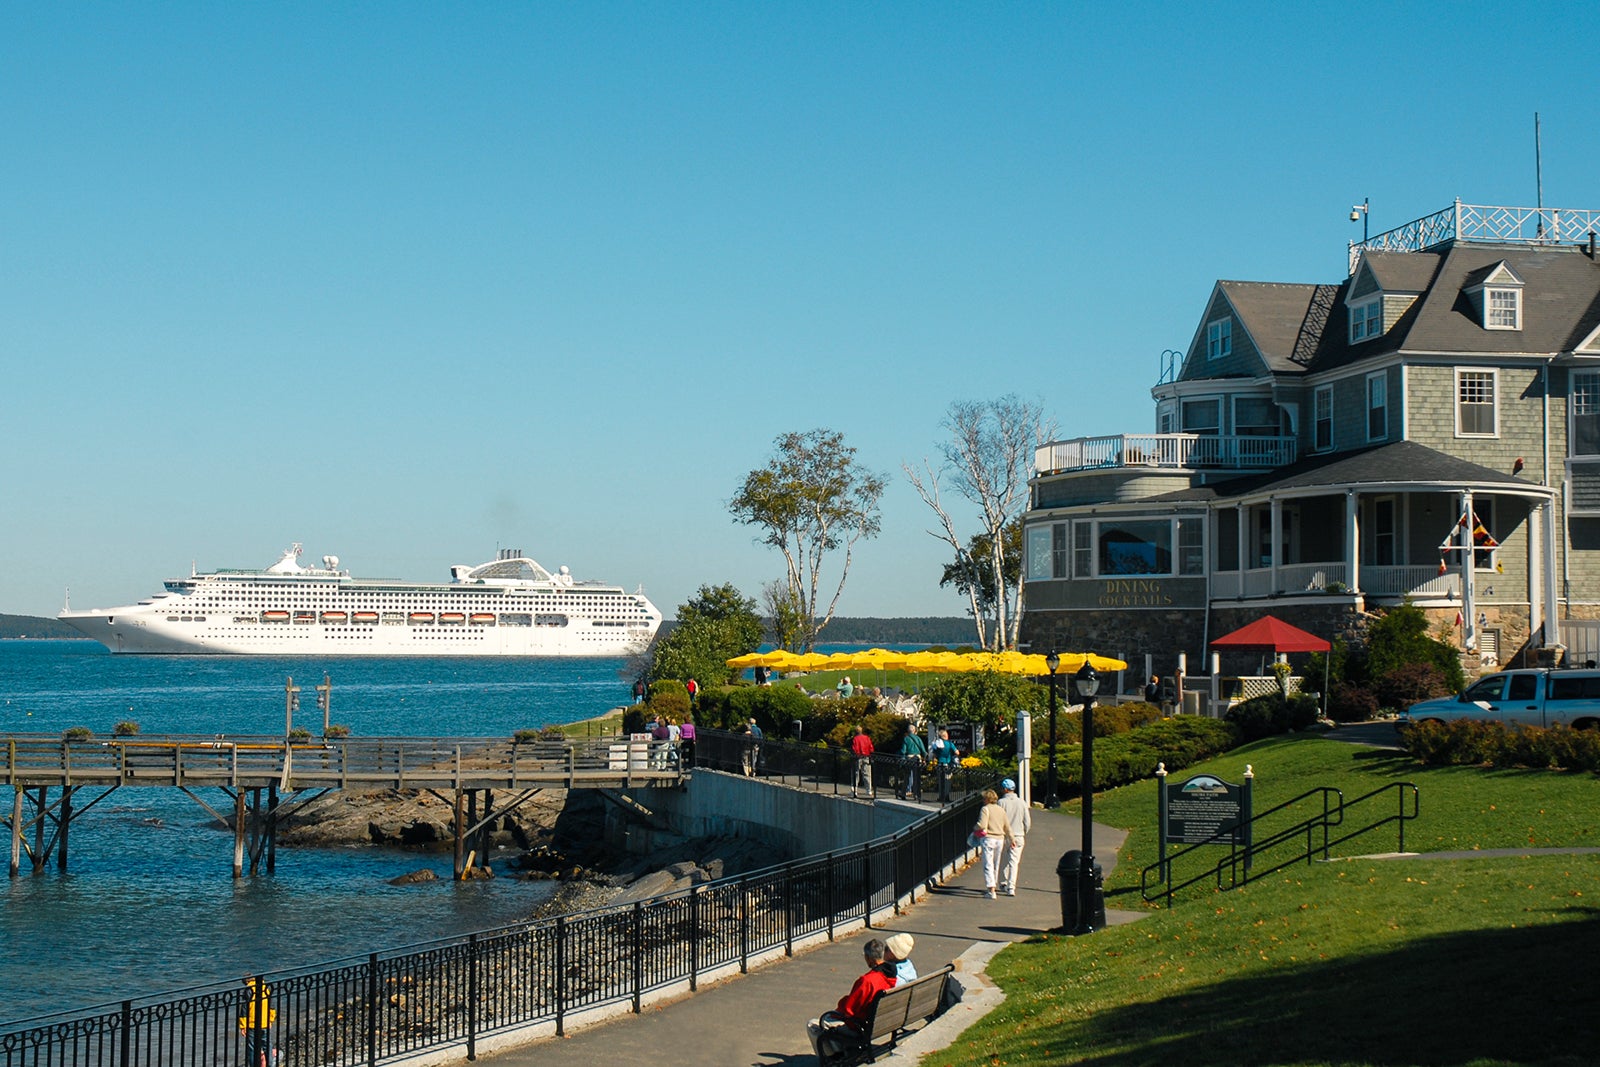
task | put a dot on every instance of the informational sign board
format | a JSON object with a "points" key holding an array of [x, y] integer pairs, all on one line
{"points": [[1204, 809], [966, 736]]}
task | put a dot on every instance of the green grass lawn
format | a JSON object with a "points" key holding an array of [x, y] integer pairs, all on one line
{"points": [[1473, 961]]}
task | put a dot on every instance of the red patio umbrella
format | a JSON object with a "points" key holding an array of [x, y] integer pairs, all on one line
{"points": [[1271, 634]]}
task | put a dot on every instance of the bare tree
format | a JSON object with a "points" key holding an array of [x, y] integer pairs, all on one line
{"points": [[988, 457], [810, 499]]}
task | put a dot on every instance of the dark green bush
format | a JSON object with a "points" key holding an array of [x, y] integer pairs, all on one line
{"points": [[1475, 743], [76, 733], [1180, 741], [1349, 702], [1410, 682], [668, 697], [1264, 716]]}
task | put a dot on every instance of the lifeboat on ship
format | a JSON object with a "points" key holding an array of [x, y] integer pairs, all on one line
{"points": [[420, 618], [364, 618], [481, 618], [274, 616], [337, 618], [451, 618]]}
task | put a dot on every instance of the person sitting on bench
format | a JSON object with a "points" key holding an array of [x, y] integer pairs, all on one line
{"points": [[854, 1007]]}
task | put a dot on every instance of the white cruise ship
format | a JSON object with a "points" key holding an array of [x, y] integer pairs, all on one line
{"points": [[508, 607]]}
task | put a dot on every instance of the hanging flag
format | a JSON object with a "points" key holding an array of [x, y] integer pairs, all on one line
{"points": [[1442, 567], [1458, 618], [1480, 535]]}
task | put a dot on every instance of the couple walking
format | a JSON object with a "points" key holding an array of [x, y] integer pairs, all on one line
{"points": [[1002, 827]]}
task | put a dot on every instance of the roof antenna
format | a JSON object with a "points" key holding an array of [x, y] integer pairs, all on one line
{"points": [[1538, 173]]}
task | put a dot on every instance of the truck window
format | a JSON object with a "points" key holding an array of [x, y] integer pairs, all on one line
{"points": [[1524, 687], [1489, 688], [1580, 687]]}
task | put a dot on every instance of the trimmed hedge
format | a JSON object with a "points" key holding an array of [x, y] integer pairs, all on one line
{"points": [[1474, 743], [1264, 716], [1178, 742]]}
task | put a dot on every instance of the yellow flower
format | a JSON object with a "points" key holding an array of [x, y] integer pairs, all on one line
{"points": [[971, 761]]}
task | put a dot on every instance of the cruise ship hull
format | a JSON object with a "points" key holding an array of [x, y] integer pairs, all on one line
{"points": [[508, 607]]}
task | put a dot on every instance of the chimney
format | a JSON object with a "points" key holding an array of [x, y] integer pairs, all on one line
{"points": [[1591, 244]]}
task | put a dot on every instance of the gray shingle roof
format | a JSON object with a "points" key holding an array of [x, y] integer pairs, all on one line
{"points": [[1403, 461]]}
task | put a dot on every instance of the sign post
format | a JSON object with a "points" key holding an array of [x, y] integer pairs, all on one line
{"points": [[1204, 810]]}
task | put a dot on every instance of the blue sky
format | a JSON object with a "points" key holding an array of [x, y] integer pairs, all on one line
{"points": [[410, 282]]}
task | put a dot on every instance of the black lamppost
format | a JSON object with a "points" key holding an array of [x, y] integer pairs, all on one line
{"points": [[1052, 661], [1087, 682]]}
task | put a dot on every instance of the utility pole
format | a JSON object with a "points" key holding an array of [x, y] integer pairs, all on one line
{"points": [[325, 702]]}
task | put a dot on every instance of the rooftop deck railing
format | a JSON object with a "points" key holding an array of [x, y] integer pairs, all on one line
{"points": [[1482, 223], [1176, 451]]}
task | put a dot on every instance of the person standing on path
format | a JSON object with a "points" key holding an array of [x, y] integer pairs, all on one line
{"points": [[638, 691], [755, 747], [861, 745], [993, 831], [686, 742], [944, 758], [1021, 819], [694, 690], [915, 753], [256, 1023]]}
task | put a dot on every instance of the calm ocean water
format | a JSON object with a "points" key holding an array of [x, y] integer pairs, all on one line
{"points": [[149, 904]]}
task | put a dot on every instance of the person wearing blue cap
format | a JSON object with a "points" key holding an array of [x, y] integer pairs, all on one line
{"points": [[1021, 821]]}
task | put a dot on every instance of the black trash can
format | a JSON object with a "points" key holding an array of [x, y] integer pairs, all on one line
{"points": [[1070, 872]]}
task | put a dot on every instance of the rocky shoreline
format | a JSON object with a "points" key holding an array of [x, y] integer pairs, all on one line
{"points": [[555, 835]]}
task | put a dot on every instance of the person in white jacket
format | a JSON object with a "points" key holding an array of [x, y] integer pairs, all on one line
{"points": [[1021, 820]]}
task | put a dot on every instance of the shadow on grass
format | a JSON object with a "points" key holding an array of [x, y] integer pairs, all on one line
{"points": [[1521, 996]]}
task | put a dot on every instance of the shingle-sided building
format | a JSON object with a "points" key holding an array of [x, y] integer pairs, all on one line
{"points": [[1427, 429]]}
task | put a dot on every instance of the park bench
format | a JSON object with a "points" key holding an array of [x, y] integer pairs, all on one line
{"points": [[894, 1014]]}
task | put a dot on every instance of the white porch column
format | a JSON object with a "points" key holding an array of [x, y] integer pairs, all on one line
{"points": [[1244, 546], [1277, 540], [1552, 572], [1469, 620], [1352, 539]]}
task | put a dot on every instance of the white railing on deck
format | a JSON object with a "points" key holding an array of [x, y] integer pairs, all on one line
{"points": [[1164, 450], [1419, 581], [1422, 581]]}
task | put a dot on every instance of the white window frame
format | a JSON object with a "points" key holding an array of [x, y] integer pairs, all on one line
{"points": [[1317, 395], [1491, 313], [1366, 320], [1584, 393], [1378, 401], [1493, 377], [1219, 338]]}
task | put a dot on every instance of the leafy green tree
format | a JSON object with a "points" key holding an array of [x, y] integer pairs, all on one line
{"points": [[811, 499], [715, 625], [988, 697], [972, 576]]}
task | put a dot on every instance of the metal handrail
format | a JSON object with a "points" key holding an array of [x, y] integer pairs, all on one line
{"points": [[398, 1003], [1244, 848]]}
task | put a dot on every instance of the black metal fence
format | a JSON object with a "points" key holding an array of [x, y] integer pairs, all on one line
{"points": [[453, 992], [833, 769]]}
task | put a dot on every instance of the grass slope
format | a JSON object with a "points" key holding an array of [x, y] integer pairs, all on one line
{"points": [[1473, 961]]}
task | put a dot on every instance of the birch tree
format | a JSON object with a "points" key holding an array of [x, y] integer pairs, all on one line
{"points": [[811, 499], [988, 457]]}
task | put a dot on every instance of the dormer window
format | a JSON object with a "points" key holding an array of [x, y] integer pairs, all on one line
{"points": [[1366, 320], [1496, 295], [1505, 309], [1219, 338]]}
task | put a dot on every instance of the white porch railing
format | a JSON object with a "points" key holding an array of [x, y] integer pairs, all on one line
{"points": [[1177, 451], [1419, 580], [1422, 581]]}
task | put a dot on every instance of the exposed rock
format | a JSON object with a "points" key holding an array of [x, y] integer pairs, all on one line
{"points": [[424, 875]]}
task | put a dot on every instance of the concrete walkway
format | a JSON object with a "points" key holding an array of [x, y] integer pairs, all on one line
{"points": [[760, 1018]]}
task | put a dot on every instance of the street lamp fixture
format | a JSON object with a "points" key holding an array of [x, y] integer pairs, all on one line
{"points": [[1087, 683], [1052, 661]]}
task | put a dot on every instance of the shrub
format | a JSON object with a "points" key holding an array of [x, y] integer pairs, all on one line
{"points": [[125, 728], [299, 733], [668, 697], [336, 730], [1410, 682], [1348, 702], [986, 697], [1178, 742], [1264, 716], [76, 733], [1477, 743]]}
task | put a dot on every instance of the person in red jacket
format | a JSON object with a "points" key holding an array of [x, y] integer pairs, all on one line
{"points": [[850, 1017], [861, 745]]}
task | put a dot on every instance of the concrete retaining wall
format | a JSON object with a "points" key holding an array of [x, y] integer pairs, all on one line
{"points": [[796, 821]]}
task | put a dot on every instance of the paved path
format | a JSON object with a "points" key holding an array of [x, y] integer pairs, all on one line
{"points": [[760, 1018]]}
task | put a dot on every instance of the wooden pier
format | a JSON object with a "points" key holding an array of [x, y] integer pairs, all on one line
{"points": [[255, 772]]}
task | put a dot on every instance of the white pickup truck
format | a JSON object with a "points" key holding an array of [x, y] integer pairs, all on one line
{"points": [[1526, 697]]}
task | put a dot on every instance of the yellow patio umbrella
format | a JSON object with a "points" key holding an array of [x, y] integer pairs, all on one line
{"points": [[810, 661], [749, 659], [841, 661], [877, 659], [780, 659], [1072, 662]]}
